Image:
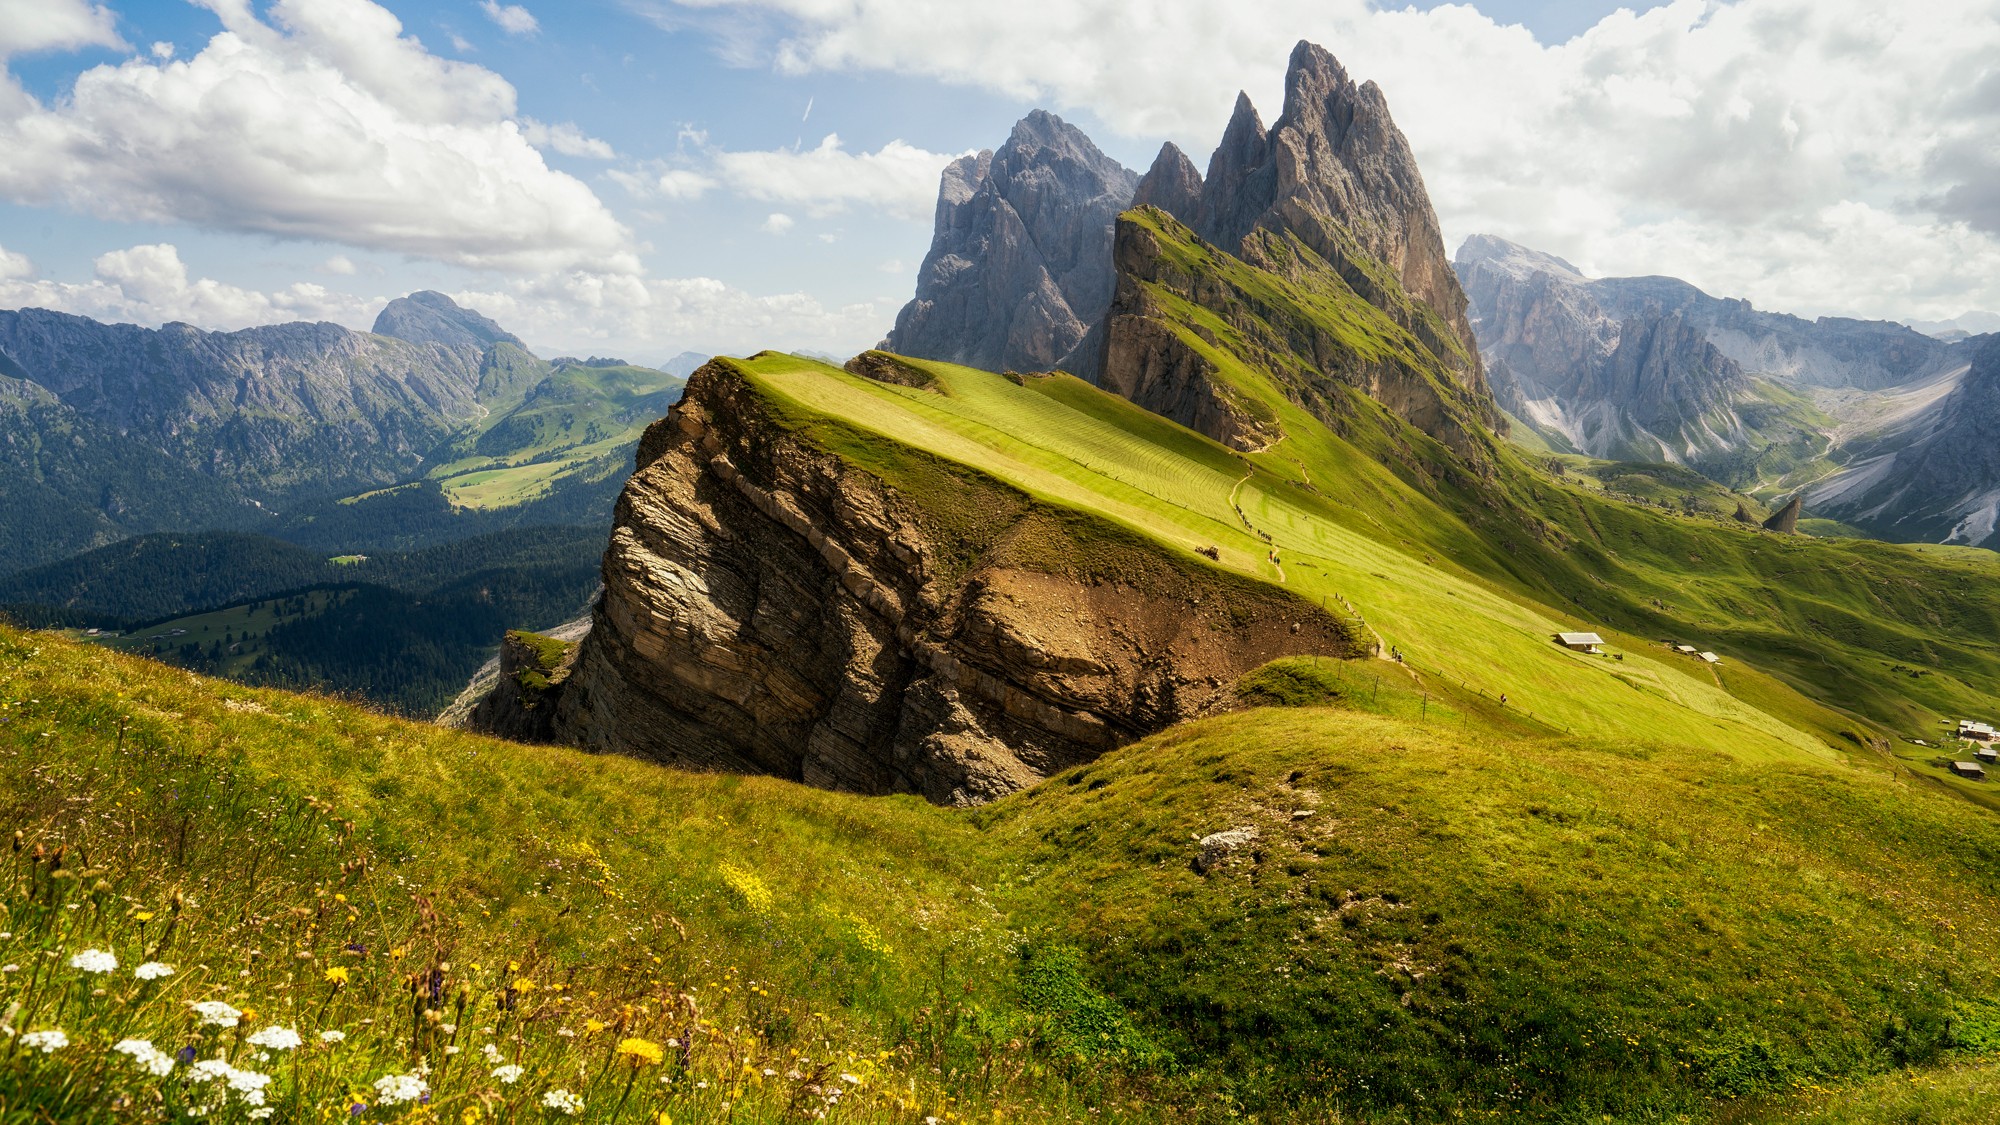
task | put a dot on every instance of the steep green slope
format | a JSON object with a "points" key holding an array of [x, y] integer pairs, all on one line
{"points": [[564, 424], [1833, 620], [1432, 921]]}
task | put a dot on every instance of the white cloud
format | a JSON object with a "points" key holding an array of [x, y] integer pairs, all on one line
{"points": [[15, 267], [326, 123], [777, 223], [339, 264], [150, 285], [163, 50], [55, 25], [585, 313], [1690, 139], [898, 178], [566, 139], [512, 18]]}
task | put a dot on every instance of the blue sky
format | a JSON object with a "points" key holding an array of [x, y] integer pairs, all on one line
{"points": [[642, 176]]}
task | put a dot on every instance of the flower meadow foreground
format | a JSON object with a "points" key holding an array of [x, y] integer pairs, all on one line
{"points": [[183, 938]]}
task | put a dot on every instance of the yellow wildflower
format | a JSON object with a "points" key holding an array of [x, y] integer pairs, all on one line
{"points": [[470, 1116], [642, 1052], [337, 975], [524, 985], [592, 1027], [144, 916]]}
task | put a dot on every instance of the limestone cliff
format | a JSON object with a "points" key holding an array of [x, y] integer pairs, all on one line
{"points": [[1019, 270], [770, 607], [1337, 174]]}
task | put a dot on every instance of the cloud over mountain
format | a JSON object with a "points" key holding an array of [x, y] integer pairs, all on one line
{"points": [[1755, 146], [320, 121]]}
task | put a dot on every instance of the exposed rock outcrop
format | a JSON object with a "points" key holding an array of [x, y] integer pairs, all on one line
{"points": [[1785, 521], [1335, 172], [771, 608], [1019, 270], [1330, 201], [521, 705]]}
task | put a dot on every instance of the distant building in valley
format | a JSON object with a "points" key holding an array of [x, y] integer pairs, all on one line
{"points": [[1582, 642]]}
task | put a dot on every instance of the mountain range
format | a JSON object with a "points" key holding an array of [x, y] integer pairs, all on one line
{"points": [[111, 430], [1248, 722]]}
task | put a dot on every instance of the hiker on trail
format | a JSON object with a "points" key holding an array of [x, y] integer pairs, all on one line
{"points": [[1503, 699]]}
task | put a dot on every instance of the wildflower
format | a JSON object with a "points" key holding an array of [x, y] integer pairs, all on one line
{"points": [[850, 1080], [217, 1013], [275, 1038], [10, 968], [47, 1042], [208, 1070], [185, 1054], [524, 986], [642, 1052], [508, 1075], [332, 1036], [144, 915], [563, 1102], [491, 1052], [249, 1085], [148, 1057], [337, 975], [153, 970], [395, 1088], [94, 961], [592, 1027]]}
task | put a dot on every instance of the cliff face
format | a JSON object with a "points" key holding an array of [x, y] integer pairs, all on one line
{"points": [[770, 608], [1623, 380], [1336, 173], [1019, 270], [1935, 474]]}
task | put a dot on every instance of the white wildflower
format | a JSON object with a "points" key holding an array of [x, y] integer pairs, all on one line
{"points": [[150, 1058], [10, 967], [217, 1013], [94, 961], [47, 1042], [395, 1088], [563, 1102], [153, 970], [249, 1085], [262, 1112], [208, 1070], [508, 1075], [332, 1036], [275, 1038], [491, 1052], [850, 1080]]}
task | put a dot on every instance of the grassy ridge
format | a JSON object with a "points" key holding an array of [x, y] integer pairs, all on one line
{"points": [[1464, 921]]}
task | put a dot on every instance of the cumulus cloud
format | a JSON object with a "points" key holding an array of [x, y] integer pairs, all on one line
{"points": [[512, 18], [777, 223], [897, 178], [339, 264], [150, 285], [1688, 139], [55, 25], [566, 139], [324, 123]]}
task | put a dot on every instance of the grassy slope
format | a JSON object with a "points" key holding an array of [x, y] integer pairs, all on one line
{"points": [[1489, 923], [1834, 621], [578, 423]]}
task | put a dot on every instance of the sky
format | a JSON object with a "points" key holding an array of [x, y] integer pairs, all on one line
{"points": [[641, 177]]}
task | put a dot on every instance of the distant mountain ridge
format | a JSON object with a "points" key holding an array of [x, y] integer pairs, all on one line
{"points": [[111, 430]]}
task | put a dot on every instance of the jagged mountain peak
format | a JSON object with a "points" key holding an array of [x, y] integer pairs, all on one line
{"points": [[1173, 184], [430, 317], [1019, 271]]}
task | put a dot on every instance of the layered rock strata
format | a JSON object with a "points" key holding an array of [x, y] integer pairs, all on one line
{"points": [[770, 607]]}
